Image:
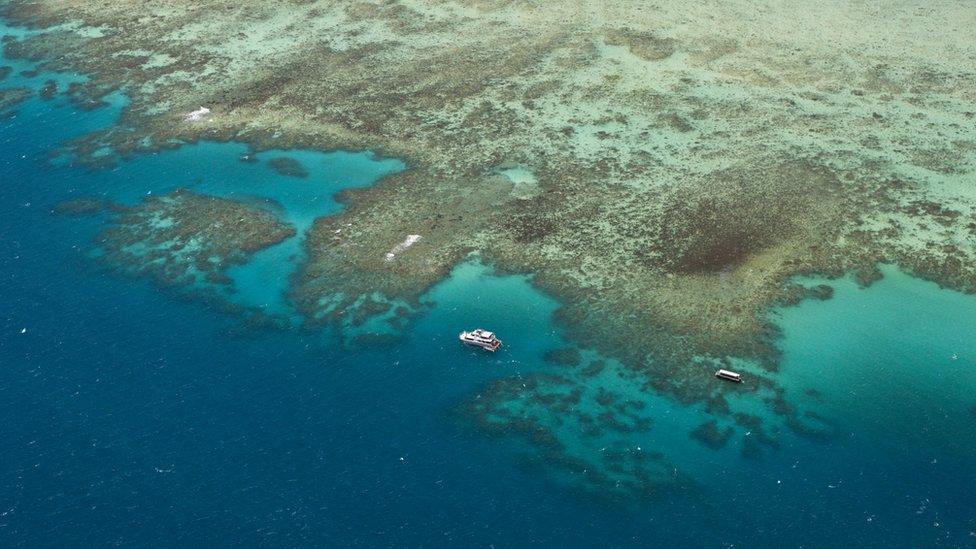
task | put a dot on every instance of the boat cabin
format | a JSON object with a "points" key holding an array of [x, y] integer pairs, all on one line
{"points": [[729, 376]]}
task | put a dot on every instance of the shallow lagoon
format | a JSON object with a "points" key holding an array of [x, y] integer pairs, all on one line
{"points": [[137, 417]]}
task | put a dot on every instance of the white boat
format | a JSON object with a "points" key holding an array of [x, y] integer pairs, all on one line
{"points": [[729, 376], [481, 338]]}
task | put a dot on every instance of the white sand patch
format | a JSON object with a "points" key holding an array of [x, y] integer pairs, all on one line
{"points": [[399, 248], [196, 115], [525, 184]]}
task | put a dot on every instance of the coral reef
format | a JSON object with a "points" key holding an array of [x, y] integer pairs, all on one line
{"points": [[288, 167], [189, 240], [686, 161], [711, 435], [10, 98], [80, 206], [49, 90], [585, 430], [563, 357]]}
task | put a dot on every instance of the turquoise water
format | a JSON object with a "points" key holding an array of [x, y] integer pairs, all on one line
{"points": [[133, 416], [218, 169], [902, 353]]}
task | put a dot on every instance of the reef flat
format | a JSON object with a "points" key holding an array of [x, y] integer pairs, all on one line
{"points": [[664, 170]]}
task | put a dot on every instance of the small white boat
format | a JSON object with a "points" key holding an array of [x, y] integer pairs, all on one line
{"points": [[728, 376], [481, 338]]}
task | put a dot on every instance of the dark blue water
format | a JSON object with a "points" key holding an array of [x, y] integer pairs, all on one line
{"points": [[134, 415]]}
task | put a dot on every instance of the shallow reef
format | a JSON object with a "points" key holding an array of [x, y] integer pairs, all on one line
{"points": [[49, 90], [185, 239], [585, 431], [80, 206], [711, 435], [10, 98], [288, 167], [674, 177]]}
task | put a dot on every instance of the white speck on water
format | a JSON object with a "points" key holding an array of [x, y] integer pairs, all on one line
{"points": [[23, 330]]}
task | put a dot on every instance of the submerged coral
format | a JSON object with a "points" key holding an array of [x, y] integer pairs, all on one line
{"points": [[49, 90], [10, 98], [711, 435], [585, 430], [80, 206], [288, 167], [187, 239]]}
